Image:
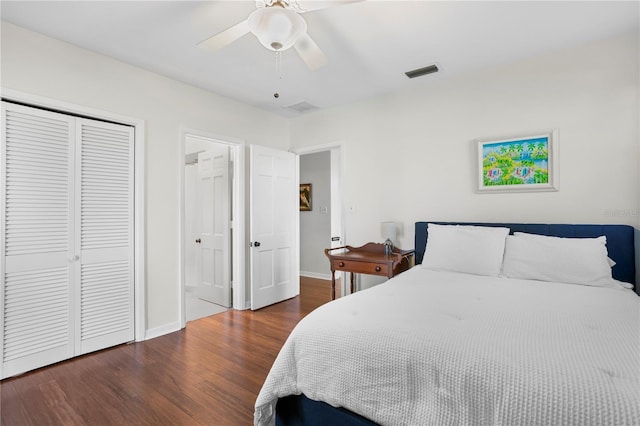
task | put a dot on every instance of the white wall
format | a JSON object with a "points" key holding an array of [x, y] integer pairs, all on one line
{"points": [[410, 156], [315, 225], [39, 65]]}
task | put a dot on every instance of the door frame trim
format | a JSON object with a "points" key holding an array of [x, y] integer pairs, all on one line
{"points": [[139, 237], [237, 218], [334, 148]]}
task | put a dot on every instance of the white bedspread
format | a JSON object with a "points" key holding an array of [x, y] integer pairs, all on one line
{"points": [[437, 348]]}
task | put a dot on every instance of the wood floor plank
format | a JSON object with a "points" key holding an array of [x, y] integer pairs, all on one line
{"points": [[32, 398], [209, 373], [58, 404], [12, 411]]}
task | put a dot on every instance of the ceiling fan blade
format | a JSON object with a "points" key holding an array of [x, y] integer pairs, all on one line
{"points": [[226, 37], [310, 52], [311, 5]]}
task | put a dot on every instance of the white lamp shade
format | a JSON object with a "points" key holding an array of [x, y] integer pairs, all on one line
{"points": [[276, 28], [388, 230]]}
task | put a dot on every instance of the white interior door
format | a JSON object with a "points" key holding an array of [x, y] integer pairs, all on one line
{"points": [[336, 200], [274, 226], [104, 235], [214, 266], [66, 249], [36, 279]]}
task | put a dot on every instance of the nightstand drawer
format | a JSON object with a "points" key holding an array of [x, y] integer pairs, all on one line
{"points": [[361, 267]]}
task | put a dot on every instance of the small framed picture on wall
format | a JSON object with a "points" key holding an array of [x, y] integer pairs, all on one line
{"points": [[305, 197]]}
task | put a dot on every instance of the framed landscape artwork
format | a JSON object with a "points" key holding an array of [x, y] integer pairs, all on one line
{"points": [[305, 197], [518, 164]]}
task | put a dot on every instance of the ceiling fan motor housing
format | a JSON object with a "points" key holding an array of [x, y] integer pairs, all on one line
{"points": [[276, 28]]}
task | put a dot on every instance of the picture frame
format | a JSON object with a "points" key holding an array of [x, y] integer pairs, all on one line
{"points": [[527, 163], [305, 197]]}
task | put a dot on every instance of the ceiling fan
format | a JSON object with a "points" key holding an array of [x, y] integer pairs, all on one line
{"points": [[278, 25]]}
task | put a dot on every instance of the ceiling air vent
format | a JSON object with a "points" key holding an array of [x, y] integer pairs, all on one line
{"points": [[422, 71], [302, 106]]}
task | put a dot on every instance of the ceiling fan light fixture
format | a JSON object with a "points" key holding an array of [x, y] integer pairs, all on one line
{"points": [[276, 28]]}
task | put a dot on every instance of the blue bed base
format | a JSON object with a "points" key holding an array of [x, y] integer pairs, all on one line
{"points": [[298, 410]]}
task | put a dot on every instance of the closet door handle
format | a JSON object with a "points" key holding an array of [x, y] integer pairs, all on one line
{"points": [[73, 258], [198, 241]]}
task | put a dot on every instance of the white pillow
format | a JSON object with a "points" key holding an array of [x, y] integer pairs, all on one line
{"points": [[461, 248], [610, 261], [555, 259]]}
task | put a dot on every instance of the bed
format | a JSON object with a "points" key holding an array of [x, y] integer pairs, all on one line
{"points": [[444, 346]]}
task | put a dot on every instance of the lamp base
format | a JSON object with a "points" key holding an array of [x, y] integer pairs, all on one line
{"points": [[388, 247]]}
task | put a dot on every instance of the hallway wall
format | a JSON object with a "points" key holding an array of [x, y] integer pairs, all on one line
{"points": [[315, 225]]}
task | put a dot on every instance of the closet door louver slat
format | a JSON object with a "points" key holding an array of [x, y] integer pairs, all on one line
{"points": [[105, 234], [36, 215]]}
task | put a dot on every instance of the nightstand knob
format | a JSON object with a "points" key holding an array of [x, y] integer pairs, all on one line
{"points": [[378, 269], [341, 264]]}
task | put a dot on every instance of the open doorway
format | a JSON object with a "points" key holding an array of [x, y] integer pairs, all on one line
{"points": [[322, 226], [210, 198]]}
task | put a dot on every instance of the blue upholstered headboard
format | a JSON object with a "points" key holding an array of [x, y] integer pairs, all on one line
{"points": [[620, 241]]}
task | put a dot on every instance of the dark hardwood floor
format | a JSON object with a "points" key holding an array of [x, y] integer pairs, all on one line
{"points": [[207, 374]]}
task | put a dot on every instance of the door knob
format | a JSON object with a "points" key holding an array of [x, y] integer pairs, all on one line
{"points": [[198, 241], [256, 244]]}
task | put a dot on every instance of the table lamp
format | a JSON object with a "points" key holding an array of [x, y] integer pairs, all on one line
{"points": [[389, 234]]}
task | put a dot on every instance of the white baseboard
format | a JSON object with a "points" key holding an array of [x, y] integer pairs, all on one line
{"points": [[162, 330], [315, 275]]}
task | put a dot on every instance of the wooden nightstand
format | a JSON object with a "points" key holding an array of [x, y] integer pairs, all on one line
{"points": [[368, 259]]}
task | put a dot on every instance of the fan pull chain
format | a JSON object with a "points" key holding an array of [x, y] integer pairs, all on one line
{"points": [[279, 72]]}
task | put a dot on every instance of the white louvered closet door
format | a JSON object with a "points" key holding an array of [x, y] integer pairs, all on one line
{"points": [[104, 234], [67, 237], [37, 244]]}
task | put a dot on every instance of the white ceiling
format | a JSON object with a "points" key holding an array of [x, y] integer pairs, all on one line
{"points": [[369, 44]]}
